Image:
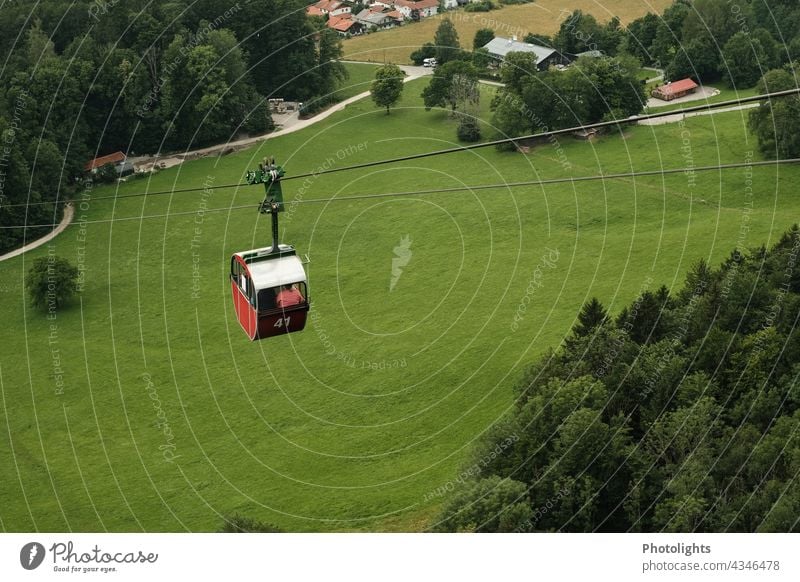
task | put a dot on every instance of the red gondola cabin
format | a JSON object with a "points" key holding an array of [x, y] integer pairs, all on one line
{"points": [[270, 293]]}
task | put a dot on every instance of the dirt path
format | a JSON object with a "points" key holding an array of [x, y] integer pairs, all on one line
{"points": [[69, 212]]}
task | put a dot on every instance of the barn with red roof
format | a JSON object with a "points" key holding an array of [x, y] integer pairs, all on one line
{"points": [[670, 91]]}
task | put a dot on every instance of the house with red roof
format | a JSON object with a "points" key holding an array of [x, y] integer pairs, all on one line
{"points": [[345, 25], [670, 91], [395, 15], [117, 159]]}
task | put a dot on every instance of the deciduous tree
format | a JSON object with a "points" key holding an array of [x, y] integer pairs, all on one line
{"points": [[387, 86], [51, 281]]}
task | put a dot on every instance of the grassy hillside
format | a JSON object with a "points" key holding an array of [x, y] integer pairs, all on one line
{"points": [[542, 16], [143, 407]]}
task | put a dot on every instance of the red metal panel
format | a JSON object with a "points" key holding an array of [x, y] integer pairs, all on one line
{"points": [[245, 312]]}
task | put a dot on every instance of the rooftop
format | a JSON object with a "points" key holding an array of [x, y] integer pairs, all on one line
{"points": [[114, 158], [419, 5], [500, 47], [677, 87]]}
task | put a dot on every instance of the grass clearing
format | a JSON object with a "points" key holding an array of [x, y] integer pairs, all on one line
{"points": [[542, 16], [356, 422], [360, 77]]}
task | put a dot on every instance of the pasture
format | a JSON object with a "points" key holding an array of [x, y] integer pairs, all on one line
{"points": [[142, 406]]}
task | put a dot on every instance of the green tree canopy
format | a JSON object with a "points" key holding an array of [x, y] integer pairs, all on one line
{"points": [[446, 41], [426, 51], [488, 505], [482, 37], [51, 281], [698, 59], [776, 123], [451, 84], [716, 20], [387, 86], [744, 61], [592, 315]]}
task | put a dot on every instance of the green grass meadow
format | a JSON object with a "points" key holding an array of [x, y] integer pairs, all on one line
{"points": [[359, 79], [168, 419]]}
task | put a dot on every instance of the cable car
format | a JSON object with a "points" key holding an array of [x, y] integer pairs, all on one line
{"points": [[269, 285], [270, 291]]}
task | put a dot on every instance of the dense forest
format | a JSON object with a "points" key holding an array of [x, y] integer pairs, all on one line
{"points": [[82, 79], [681, 414], [710, 40]]}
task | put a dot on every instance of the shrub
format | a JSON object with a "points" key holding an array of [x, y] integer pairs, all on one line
{"points": [[51, 281], [482, 6], [241, 524], [468, 129]]}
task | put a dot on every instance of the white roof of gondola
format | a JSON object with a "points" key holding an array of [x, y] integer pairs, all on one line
{"points": [[273, 272]]}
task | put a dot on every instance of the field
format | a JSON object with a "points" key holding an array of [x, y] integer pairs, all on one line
{"points": [[141, 405], [542, 16], [359, 79]]}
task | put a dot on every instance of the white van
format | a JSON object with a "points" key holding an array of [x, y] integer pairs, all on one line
{"points": [[429, 62]]}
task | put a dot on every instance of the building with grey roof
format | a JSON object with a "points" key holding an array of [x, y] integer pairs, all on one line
{"points": [[546, 57]]}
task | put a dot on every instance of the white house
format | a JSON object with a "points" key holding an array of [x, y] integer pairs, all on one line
{"points": [[330, 7], [420, 8], [372, 19]]}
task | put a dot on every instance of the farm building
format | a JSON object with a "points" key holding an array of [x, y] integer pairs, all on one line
{"points": [[117, 159], [670, 91], [546, 57]]}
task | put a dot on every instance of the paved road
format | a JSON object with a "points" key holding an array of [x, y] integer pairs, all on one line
{"points": [[69, 212]]}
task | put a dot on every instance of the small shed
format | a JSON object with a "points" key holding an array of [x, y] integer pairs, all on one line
{"points": [[117, 158], [670, 91]]}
